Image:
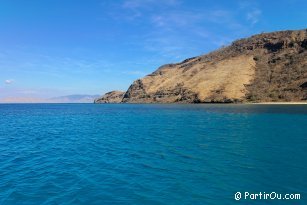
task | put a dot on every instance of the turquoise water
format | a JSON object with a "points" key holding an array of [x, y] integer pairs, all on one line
{"points": [[151, 154]]}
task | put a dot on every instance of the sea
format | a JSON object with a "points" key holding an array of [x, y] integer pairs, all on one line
{"points": [[139, 154]]}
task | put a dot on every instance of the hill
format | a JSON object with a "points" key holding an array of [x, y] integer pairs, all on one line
{"points": [[268, 67]]}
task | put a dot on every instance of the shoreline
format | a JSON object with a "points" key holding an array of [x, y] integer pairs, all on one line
{"points": [[279, 103], [241, 103]]}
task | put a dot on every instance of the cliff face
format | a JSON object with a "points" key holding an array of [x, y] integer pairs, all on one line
{"points": [[263, 68], [111, 97], [195, 80]]}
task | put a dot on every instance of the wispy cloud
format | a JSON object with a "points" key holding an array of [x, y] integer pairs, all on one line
{"points": [[135, 4], [176, 19], [252, 11], [52, 65], [178, 31], [135, 9], [9, 81], [253, 16]]}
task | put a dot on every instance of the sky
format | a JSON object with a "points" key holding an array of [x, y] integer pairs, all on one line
{"points": [[60, 47]]}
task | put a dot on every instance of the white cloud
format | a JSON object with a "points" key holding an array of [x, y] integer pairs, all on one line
{"points": [[135, 9], [133, 4], [178, 32], [176, 19], [251, 10], [253, 16], [9, 81]]}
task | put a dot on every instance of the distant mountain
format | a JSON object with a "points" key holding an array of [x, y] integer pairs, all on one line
{"points": [[73, 99], [269, 67], [22, 100], [61, 99]]}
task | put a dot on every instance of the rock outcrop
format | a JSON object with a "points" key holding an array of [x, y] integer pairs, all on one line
{"points": [[111, 97], [268, 67]]}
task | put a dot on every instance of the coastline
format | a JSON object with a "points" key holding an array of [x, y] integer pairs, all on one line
{"points": [[241, 103], [279, 103]]}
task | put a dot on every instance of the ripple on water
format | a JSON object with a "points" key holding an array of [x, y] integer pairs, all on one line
{"points": [[149, 154]]}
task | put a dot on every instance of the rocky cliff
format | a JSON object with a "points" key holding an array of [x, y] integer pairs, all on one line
{"points": [[268, 67], [111, 97]]}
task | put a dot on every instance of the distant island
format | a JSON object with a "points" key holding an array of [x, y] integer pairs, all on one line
{"points": [[269, 67]]}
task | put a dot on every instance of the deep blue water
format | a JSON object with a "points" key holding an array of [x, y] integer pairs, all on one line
{"points": [[151, 154]]}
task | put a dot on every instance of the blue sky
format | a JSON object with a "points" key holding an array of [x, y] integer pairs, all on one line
{"points": [[58, 47]]}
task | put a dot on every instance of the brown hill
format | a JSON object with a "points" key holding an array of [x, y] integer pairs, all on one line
{"points": [[111, 97], [268, 67]]}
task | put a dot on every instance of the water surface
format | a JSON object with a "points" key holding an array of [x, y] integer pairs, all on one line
{"points": [[150, 154]]}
